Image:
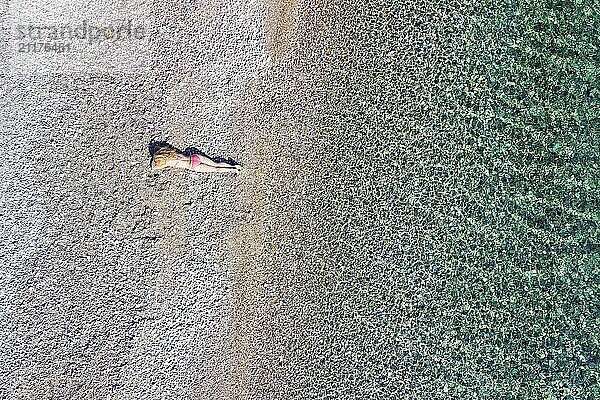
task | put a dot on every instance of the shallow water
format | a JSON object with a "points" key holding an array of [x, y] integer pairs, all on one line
{"points": [[429, 221]]}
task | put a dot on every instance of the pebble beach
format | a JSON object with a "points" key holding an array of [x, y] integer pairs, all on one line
{"points": [[416, 216]]}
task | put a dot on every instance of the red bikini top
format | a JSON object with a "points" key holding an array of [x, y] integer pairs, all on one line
{"points": [[195, 160]]}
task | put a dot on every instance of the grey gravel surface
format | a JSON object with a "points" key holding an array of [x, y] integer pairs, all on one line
{"points": [[417, 216], [116, 281]]}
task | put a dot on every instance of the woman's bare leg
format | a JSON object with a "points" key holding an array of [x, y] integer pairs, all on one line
{"points": [[208, 161], [211, 168]]}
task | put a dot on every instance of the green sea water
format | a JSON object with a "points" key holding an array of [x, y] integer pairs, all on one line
{"points": [[442, 229]]}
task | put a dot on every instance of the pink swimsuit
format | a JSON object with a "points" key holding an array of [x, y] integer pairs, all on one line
{"points": [[195, 160]]}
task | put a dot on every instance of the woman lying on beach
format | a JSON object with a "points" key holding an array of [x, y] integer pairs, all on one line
{"points": [[168, 156]]}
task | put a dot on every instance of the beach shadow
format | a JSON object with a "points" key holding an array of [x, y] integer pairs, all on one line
{"points": [[156, 145]]}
